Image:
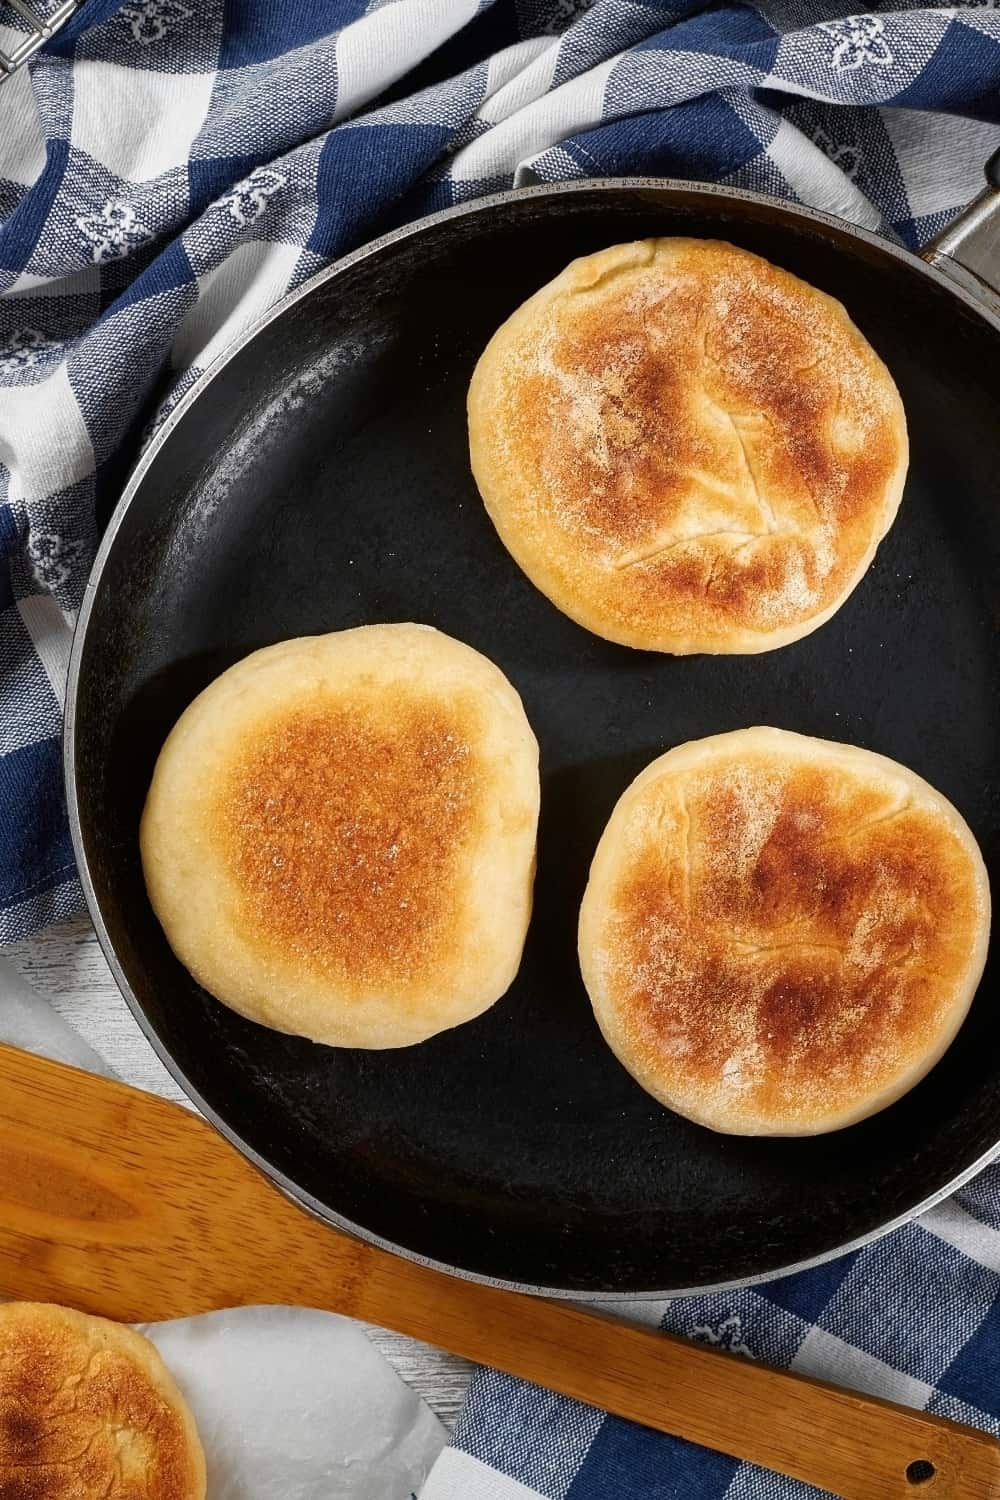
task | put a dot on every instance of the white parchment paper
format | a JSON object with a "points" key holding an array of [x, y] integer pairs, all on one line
{"points": [[27, 1020], [298, 1405]]}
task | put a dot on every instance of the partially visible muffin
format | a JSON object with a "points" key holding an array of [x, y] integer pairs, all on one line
{"points": [[339, 838], [88, 1409], [687, 448], [781, 935]]}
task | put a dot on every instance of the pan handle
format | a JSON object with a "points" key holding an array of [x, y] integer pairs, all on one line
{"points": [[969, 249]]}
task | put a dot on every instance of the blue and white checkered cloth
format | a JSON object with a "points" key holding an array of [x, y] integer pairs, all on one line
{"points": [[914, 1318], [169, 168]]}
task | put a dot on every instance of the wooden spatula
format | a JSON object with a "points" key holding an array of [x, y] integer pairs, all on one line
{"points": [[124, 1205]]}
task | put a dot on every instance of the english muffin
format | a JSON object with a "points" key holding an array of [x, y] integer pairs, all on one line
{"points": [[339, 838], [88, 1408], [687, 448], [782, 935]]}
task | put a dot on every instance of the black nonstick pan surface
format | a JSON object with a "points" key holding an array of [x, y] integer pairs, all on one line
{"points": [[319, 479]]}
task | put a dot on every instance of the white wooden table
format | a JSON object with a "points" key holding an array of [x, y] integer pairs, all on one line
{"points": [[66, 965]]}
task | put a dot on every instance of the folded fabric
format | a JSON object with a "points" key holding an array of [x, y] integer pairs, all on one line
{"points": [[169, 168], [914, 1317]]}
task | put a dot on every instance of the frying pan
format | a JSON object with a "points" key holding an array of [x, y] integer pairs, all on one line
{"points": [[317, 478]]}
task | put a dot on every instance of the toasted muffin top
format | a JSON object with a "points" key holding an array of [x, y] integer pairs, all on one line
{"points": [[339, 835], [686, 447], [782, 934], [87, 1408]]}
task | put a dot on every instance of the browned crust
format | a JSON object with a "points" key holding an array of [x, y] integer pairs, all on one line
{"points": [[339, 836], [783, 939], [686, 447], [345, 829], [88, 1409]]}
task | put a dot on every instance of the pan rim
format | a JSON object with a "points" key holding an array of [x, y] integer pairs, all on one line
{"points": [[983, 307]]}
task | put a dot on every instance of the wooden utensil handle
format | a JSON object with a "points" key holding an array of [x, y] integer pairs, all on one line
{"points": [[122, 1204]]}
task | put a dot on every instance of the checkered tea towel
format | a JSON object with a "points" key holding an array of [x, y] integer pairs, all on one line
{"points": [[169, 168], [914, 1317]]}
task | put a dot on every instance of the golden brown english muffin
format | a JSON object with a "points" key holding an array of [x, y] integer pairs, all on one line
{"points": [[686, 448], [88, 1408], [339, 839], [782, 935]]}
